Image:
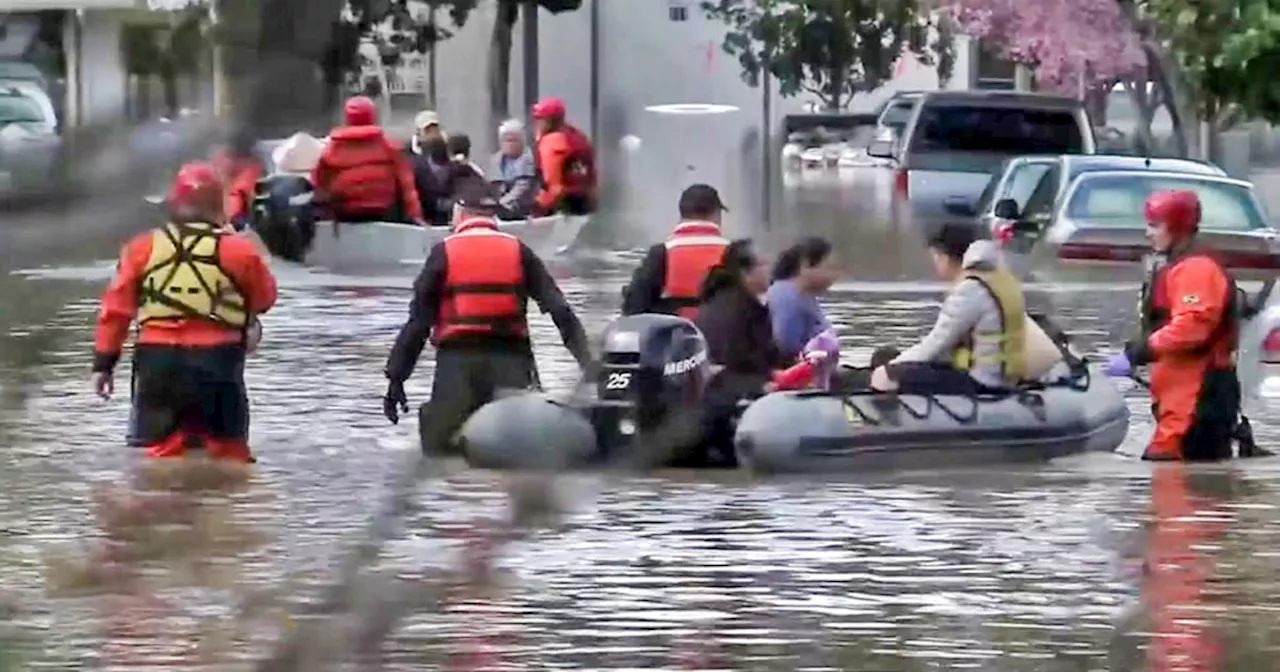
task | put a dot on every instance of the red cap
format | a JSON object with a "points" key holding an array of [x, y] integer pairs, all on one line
{"points": [[360, 111], [1178, 211], [196, 190], [551, 109]]}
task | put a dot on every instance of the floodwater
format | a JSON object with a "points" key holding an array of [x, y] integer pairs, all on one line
{"points": [[1097, 563]]}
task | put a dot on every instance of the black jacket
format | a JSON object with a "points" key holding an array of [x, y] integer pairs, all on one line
{"points": [[739, 337], [428, 290], [432, 191], [644, 293]]}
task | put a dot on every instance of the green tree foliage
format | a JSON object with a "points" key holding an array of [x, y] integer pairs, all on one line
{"points": [[1227, 52], [832, 49]]}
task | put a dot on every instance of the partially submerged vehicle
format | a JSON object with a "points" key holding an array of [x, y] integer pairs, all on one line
{"points": [[645, 408]]}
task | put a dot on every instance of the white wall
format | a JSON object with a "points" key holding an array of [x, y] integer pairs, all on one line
{"points": [[103, 83]]}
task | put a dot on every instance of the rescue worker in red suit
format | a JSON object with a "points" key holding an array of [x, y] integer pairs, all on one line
{"points": [[240, 169], [1189, 328], [470, 298], [196, 290], [669, 279], [362, 176], [564, 162]]}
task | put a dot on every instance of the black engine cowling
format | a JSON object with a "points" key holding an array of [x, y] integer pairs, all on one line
{"points": [[653, 375], [284, 216]]}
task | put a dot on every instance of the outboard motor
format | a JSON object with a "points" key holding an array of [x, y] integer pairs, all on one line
{"points": [[653, 376], [284, 216]]}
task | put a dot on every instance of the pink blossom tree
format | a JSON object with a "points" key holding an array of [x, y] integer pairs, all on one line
{"points": [[1067, 42]]}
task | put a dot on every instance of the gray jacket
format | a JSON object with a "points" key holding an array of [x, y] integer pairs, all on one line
{"points": [[516, 180], [969, 309]]}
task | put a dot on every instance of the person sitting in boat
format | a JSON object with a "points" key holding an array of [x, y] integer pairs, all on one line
{"points": [[428, 153], [801, 274], [361, 175], [463, 175], [978, 343], [511, 171], [736, 325], [565, 162]]}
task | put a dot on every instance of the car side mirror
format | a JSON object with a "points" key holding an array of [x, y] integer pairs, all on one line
{"points": [[1007, 208], [880, 149], [960, 206]]}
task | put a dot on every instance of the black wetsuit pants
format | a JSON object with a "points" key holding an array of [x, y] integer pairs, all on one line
{"points": [[466, 378]]}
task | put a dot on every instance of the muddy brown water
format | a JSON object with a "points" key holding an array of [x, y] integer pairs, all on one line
{"points": [[1088, 564]]}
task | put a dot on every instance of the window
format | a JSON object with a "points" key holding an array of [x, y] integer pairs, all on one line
{"points": [[896, 115], [678, 13], [1023, 181], [997, 130], [993, 71], [1117, 200]]}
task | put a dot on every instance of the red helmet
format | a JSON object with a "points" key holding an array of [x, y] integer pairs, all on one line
{"points": [[196, 190], [1178, 211], [360, 111], [551, 109]]}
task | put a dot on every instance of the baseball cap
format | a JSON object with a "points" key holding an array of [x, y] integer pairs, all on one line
{"points": [[700, 199], [476, 196], [426, 118]]}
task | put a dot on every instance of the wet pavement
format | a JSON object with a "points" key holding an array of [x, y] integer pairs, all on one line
{"points": [[1068, 566]]}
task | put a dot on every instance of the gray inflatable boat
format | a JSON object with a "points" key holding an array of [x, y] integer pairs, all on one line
{"points": [[645, 408], [805, 432]]}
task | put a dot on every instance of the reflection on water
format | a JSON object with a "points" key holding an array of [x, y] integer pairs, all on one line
{"points": [[1060, 567]]}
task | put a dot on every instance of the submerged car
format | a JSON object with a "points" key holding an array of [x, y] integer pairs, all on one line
{"points": [[1098, 221], [1026, 187]]}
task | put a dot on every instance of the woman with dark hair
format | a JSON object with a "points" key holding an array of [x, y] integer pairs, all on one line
{"points": [[801, 274], [736, 324]]}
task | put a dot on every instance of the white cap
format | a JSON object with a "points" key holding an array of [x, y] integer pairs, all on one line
{"points": [[426, 118], [511, 126]]}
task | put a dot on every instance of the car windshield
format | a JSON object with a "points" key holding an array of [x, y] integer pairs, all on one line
{"points": [[999, 130], [1117, 200], [19, 110], [896, 115]]}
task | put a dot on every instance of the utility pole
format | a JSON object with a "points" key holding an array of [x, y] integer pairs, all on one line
{"points": [[431, 61]]}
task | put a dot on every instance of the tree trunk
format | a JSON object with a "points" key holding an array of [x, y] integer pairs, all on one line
{"points": [[530, 35], [500, 62], [169, 84], [1164, 75], [1146, 104]]}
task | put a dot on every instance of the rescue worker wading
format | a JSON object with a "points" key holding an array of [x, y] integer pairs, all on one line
{"points": [[1189, 329], [196, 290], [669, 279], [564, 161], [470, 298], [362, 176]]}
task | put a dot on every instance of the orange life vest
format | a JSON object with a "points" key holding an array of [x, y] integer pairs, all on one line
{"points": [[692, 250], [484, 283]]}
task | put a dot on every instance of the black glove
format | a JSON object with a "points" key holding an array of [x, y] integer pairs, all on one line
{"points": [[1138, 352], [395, 402]]}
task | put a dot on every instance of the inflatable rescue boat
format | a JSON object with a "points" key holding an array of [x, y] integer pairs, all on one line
{"points": [[645, 408]]}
